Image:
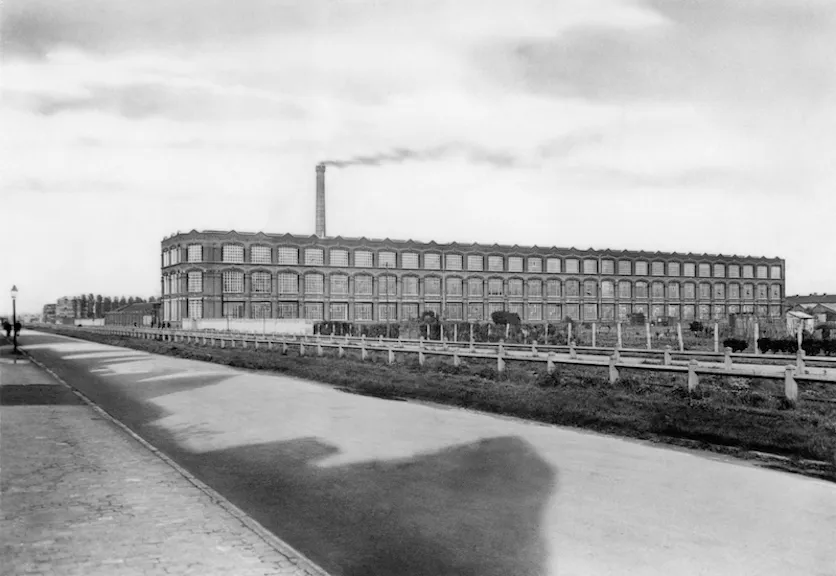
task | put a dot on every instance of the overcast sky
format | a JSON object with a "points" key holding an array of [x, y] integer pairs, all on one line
{"points": [[666, 125]]}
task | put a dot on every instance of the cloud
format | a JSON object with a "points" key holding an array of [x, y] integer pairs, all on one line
{"points": [[470, 152], [767, 51]]}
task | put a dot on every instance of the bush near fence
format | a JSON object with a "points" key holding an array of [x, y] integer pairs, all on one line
{"points": [[810, 346]]}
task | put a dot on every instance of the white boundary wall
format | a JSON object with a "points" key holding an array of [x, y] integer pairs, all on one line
{"points": [[252, 326]]}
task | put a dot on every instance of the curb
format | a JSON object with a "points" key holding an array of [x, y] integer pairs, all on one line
{"points": [[280, 546]]}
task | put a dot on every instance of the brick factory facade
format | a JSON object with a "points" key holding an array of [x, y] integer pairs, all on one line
{"points": [[214, 274]]}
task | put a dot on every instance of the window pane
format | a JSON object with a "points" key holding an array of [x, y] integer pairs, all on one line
{"points": [[314, 284], [515, 287], [641, 289], [474, 262], [338, 311], [657, 290], [452, 261], [553, 265], [658, 268], [734, 291], [515, 264], [495, 263], [719, 270], [590, 311], [387, 260], [288, 283], [287, 255], [432, 261], [607, 289], [673, 268], [363, 311], [553, 312], [409, 260], [260, 255], [338, 257], [287, 310], [719, 291], [495, 287], [673, 290], [762, 272], [535, 264], [195, 308], [590, 266], [535, 289], [624, 289], [387, 286], [233, 281], [572, 265], [387, 311], [734, 271], [590, 289], [314, 257], [748, 271], [474, 287], [689, 269], [409, 311], [704, 270], [775, 272], [474, 312], [553, 288], [261, 282], [705, 290], [313, 310], [432, 286], [410, 286], [454, 311], [641, 268], [195, 254], [624, 267], [607, 266], [363, 259], [262, 310], [195, 282], [535, 312], [232, 253], [233, 310], [339, 285], [775, 292], [572, 288], [363, 285], [454, 287]]}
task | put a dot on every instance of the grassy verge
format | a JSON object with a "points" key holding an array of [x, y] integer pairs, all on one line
{"points": [[738, 416]]}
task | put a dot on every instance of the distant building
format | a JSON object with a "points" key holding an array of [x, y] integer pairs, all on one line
{"points": [[811, 300], [49, 313], [139, 314], [67, 309]]}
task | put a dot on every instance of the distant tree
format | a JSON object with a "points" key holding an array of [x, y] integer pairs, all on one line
{"points": [[152, 300], [91, 306], [107, 304], [131, 300], [99, 306], [123, 301]]}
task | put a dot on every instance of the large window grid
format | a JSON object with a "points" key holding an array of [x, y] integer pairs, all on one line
{"points": [[363, 285], [590, 266], [363, 259], [607, 289], [432, 261], [553, 288], [262, 310], [453, 287], [287, 310], [387, 259], [409, 285], [409, 260], [474, 287], [515, 287], [233, 282], [313, 311], [657, 268], [338, 257], [553, 265], [338, 311], [195, 308], [195, 282], [387, 286], [287, 255], [452, 261], [572, 265], [475, 263], [314, 284], [640, 268], [432, 286], [495, 264], [314, 257], [535, 264], [607, 266], [624, 267], [689, 269], [232, 254], [194, 253], [535, 288], [261, 282], [495, 287], [387, 311], [673, 268], [515, 264], [363, 311], [260, 255], [339, 285], [288, 283]]}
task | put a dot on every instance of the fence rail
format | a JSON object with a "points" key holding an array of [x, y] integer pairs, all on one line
{"points": [[796, 368]]}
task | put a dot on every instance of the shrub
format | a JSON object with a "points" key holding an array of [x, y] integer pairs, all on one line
{"points": [[736, 344], [696, 326], [505, 317]]}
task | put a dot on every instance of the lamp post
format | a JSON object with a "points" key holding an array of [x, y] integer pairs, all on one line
{"points": [[387, 266], [14, 317]]}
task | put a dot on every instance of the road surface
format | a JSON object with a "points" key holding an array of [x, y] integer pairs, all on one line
{"points": [[368, 487]]}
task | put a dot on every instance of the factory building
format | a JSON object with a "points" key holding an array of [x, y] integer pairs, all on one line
{"points": [[217, 274]]}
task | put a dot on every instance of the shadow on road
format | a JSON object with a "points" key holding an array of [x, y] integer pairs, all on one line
{"points": [[471, 510]]}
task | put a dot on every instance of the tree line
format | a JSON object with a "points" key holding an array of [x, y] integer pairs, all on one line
{"points": [[96, 306]]}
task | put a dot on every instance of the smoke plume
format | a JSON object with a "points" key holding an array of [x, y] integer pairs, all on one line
{"points": [[472, 153]]}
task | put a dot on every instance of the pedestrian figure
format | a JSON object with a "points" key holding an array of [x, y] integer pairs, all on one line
{"points": [[8, 328], [17, 328]]}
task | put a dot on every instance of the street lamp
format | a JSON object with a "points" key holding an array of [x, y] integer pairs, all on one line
{"points": [[14, 316]]}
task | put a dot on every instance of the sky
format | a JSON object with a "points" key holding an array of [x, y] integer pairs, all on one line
{"points": [[669, 125]]}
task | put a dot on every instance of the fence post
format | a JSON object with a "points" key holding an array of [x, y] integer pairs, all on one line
{"points": [[340, 351], [507, 331], [613, 371], [456, 360], [728, 359], [757, 337], [400, 344], [572, 352], [319, 349], [301, 348], [500, 362], [799, 361], [421, 357], [345, 338], [472, 345], [534, 350], [243, 342], [618, 329], [594, 333], [256, 345], [616, 354], [391, 355], [647, 335], [569, 332], [501, 347], [364, 354], [799, 334], [716, 338], [380, 339], [679, 336], [693, 379], [471, 335], [790, 385], [421, 342], [455, 332], [443, 342], [223, 343], [667, 357]]}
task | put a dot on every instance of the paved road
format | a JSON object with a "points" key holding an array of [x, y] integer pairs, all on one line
{"points": [[368, 487]]}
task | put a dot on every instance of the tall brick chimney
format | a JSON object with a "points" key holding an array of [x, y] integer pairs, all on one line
{"points": [[320, 200]]}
